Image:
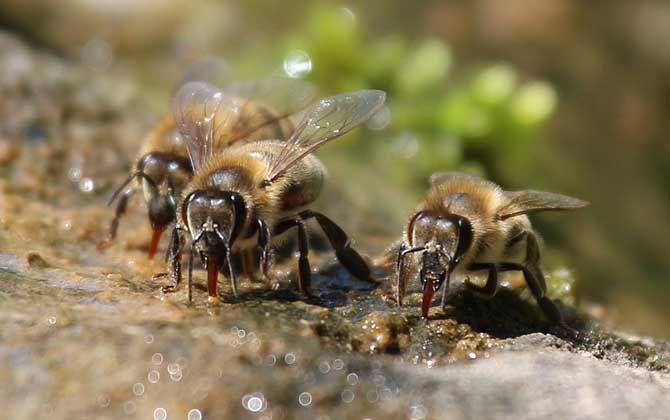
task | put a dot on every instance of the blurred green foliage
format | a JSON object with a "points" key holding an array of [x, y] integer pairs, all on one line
{"points": [[441, 117]]}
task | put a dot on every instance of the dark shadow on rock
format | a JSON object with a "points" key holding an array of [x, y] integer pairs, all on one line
{"points": [[506, 315]]}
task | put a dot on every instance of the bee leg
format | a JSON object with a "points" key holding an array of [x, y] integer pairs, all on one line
{"points": [[443, 300], [532, 275], [400, 269], [491, 286], [121, 208], [340, 242], [264, 245], [304, 270], [173, 260], [247, 257]]}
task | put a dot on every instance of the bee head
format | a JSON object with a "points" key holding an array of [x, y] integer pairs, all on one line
{"points": [[442, 240], [214, 219], [163, 176]]}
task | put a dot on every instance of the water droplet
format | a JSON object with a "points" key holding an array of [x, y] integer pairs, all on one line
{"points": [[406, 145], [149, 339], [324, 368], [160, 414], [349, 13], [380, 119], [352, 379], [51, 320], [138, 389], [386, 394], [74, 174], [372, 396], [194, 414], [289, 358], [157, 359], [154, 376], [173, 368], [97, 54], [338, 364], [305, 399], [241, 333], [177, 376], [103, 401], [472, 355], [87, 185], [129, 407], [417, 412], [347, 396], [297, 64], [255, 404], [270, 359]]}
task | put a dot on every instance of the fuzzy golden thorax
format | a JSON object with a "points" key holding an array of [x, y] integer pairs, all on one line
{"points": [[229, 173], [474, 200]]}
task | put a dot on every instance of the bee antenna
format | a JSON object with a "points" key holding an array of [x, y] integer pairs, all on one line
{"points": [[412, 250], [233, 280], [222, 236], [127, 181], [120, 188]]}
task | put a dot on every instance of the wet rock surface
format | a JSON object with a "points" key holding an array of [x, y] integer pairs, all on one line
{"points": [[87, 334]]}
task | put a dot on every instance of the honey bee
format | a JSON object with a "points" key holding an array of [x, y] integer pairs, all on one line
{"points": [[249, 196], [163, 167], [468, 224]]}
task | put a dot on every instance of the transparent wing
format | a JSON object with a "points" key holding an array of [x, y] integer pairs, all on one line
{"points": [[266, 103], [441, 177], [521, 202], [201, 110], [328, 119], [213, 70]]}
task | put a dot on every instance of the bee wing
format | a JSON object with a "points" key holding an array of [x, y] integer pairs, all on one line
{"points": [[268, 101], [521, 202], [441, 177], [213, 70], [330, 118], [199, 110]]}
